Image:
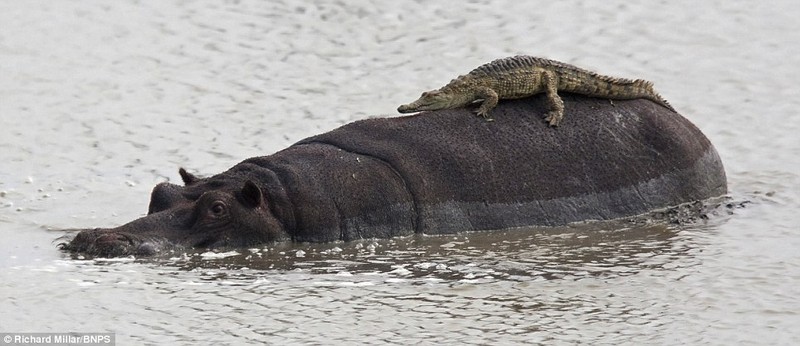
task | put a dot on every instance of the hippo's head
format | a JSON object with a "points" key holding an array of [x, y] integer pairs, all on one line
{"points": [[203, 214]]}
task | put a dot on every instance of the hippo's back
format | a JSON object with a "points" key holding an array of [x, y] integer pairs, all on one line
{"points": [[604, 161]]}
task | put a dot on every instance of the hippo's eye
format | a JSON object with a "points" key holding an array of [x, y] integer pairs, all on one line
{"points": [[218, 208]]}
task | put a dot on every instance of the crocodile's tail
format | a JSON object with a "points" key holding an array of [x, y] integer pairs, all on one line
{"points": [[593, 84], [647, 91]]}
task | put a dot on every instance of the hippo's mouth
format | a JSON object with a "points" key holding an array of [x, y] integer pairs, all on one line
{"points": [[109, 243]]}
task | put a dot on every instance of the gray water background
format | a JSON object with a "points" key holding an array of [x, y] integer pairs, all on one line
{"points": [[100, 101]]}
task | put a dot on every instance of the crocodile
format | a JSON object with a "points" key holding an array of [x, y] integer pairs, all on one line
{"points": [[523, 76]]}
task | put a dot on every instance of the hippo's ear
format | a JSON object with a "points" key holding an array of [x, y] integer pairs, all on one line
{"points": [[188, 178], [251, 194]]}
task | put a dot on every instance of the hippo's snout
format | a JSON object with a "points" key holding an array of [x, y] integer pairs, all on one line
{"points": [[108, 243]]}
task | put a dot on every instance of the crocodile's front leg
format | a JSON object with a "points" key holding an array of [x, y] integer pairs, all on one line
{"points": [[554, 102], [490, 99]]}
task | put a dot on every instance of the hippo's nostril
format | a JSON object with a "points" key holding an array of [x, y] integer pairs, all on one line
{"points": [[112, 238]]}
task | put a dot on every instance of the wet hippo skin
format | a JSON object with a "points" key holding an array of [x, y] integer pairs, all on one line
{"points": [[435, 173]]}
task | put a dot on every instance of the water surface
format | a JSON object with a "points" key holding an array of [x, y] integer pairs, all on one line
{"points": [[101, 101]]}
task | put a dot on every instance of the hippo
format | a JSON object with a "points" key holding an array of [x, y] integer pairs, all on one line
{"points": [[439, 172]]}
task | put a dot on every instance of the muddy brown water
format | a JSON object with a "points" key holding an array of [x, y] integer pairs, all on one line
{"points": [[101, 101]]}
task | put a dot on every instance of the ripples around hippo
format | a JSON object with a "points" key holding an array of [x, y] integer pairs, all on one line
{"points": [[609, 248]]}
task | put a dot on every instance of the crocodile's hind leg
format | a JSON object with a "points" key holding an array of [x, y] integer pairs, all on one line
{"points": [[554, 103], [490, 99]]}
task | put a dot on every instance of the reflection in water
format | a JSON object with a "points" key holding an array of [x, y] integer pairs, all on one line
{"points": [[520, 285], [520, 254], [594, 249]]}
